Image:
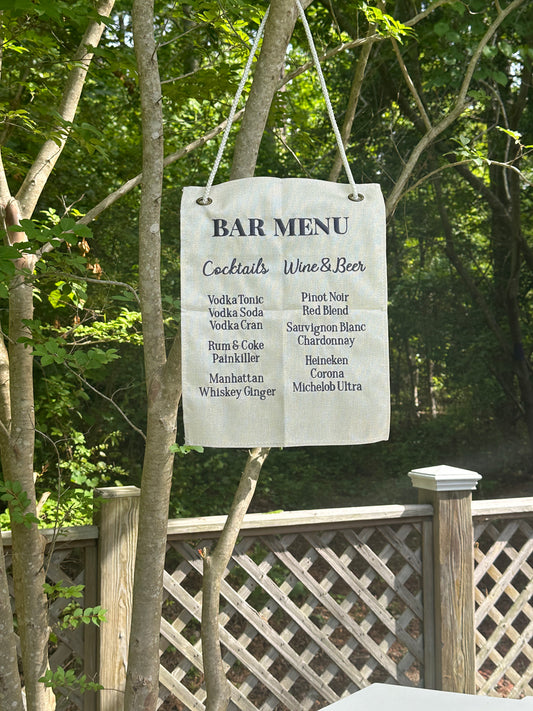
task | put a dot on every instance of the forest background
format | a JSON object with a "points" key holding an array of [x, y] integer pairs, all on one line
{"points": [[460, 260]]}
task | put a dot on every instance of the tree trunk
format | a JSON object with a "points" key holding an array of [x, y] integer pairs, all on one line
{"points": [[10, 687], [278, 30], [217, 687], [142, 683], [163, 384], [17, 450], [353, 100]]}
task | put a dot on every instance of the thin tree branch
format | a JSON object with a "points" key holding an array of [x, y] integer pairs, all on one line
{"points": [[463, 272], [431, 8], [108, 399], [45, 161], [353, 101], [284, 143], [169, 160], [461, 105], [102, 282], [421, 146], [411, 86], [458, 164], [502, 15]]}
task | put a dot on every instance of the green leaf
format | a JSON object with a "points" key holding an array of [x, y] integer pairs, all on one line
{"points": [[500, 78], [9, 252], [67, 223], [54, 297], [83, 231], [506, 49], [47, 360], [184, 448], [60, 679], [490, 51], [441, 28], [29, 519]]}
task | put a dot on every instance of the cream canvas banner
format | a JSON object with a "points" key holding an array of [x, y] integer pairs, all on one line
{"points": [[284, 314]]}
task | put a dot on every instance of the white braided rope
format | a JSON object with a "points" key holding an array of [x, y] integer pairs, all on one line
{"points": [[205, 199], [355, 195]]}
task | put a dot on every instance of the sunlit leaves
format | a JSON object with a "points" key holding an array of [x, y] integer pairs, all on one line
{"points": [[64, 349], [74, 293], [66, 230], [385, 24], [184, 449], [124, 328], [471, 150], [515, 135]]}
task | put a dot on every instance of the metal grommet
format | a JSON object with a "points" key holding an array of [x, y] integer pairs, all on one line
{"points": [[204, 201], [359, 197]]}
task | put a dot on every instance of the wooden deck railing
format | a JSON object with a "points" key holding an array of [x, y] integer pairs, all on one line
{"points": [[317, 604]]}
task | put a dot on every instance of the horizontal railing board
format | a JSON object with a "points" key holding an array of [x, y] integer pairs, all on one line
{"points": [[503, 507], [181, 527], [283, 520], [82, 535]]}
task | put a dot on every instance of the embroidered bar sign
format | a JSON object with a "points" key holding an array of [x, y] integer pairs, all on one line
{"points": [[284, 314]]}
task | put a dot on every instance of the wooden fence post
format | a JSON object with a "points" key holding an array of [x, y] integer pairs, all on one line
{"points": [[117, 519], [450, 655]]}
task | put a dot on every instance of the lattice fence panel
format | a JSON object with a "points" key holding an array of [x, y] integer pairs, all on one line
{"points": [[306, 618], [66, 646], [504, 613]]}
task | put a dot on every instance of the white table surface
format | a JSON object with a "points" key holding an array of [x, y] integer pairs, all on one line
{"points": [[387, 697]]}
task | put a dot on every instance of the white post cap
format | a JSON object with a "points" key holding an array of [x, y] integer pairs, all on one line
{"points": [[444, 478]]}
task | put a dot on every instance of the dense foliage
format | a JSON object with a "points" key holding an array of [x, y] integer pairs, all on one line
{"points": [[459, 239]]}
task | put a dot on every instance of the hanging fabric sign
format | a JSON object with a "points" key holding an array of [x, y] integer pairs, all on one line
{"points": [[284, 308], [284, 314]]}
